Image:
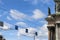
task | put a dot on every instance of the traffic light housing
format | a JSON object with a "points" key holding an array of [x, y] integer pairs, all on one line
{"points": [[1, 37], [4, 39], [1, 23], [16, 27], [36, 33], [26, 30]]}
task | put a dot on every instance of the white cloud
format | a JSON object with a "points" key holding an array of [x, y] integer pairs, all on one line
{"points": [[43, 32], [9, 18], [37, 38], [38, 14], [17, 15], [30, 33], [45, 1], [22, 24], [32, 1], [6, 26], [35, 2], [32, 30], [43, 22]]}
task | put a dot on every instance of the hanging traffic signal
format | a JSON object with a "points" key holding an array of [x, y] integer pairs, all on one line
{"points": [[26, 30], [1, 23], [36, 33], [16, 27], [3, 39], [1, 36]]}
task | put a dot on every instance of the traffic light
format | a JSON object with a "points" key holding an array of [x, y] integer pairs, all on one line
{"points": [[3, 39], [36, 33], [26, 30], [16, 27], [1, 23]]}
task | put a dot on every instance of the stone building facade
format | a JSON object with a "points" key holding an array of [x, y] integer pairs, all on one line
{"points": [[54, 22]]}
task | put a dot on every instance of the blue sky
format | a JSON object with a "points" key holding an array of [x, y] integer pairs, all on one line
{"points": [[25, 14]]}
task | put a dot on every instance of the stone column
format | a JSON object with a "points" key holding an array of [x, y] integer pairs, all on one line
{"points": [[56, 32], [49, 34], [52, 35]]}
